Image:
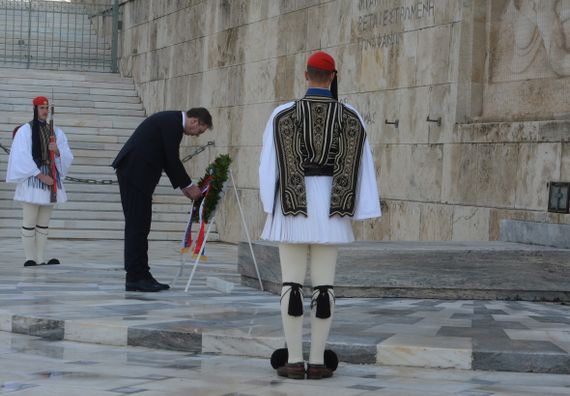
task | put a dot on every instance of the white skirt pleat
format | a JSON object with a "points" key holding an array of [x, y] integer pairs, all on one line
{"points": [[37, 196], [317, 227]]}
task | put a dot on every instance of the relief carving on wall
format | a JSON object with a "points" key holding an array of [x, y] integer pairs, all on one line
{"points": [[540, 29]]}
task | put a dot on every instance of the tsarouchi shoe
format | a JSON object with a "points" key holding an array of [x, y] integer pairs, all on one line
{"points": [[318, 371], [292, 370]]}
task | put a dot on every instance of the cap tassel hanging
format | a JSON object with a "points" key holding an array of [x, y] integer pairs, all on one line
{"points": [[334, 87]]}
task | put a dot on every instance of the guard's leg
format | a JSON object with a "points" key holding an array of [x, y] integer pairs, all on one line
{"points": [[42, 226], [29, 215], [293, 259], [323, 265]]}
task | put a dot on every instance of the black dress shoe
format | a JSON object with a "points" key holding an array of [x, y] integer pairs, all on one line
{"points": [[53, 261], [30, 263], [163, 286], [143, 285]]}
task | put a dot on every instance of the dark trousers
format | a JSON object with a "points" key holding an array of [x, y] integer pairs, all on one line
{"points": [[137, 208]]}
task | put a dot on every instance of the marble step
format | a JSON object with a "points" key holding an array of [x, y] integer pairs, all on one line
{"points": [[25, 84], [58, 89], [76, 110], [15, 214], [65, 103], [110, 100], [73, 224], [84, 234], [106, 197], [102, 206], [81, 120], [445, 270], [33, 74], [99, 65], [164, 188]]}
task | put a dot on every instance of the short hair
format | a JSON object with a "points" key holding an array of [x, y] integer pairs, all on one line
{"points": [[318, 75], [202, 114]]}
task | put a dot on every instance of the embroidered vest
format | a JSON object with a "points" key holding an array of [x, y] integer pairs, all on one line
{"points": [[318, 136]]}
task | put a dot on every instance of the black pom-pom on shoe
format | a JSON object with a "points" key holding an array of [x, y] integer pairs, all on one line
{"points": [[279, 358], [30, 263], [331, 359], [53, 261]]}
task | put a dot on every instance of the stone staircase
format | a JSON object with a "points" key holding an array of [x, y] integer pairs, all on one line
{"points": [[98, 112]]}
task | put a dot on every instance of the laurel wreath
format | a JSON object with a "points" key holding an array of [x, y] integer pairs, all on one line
{"points": [[219, 170]]}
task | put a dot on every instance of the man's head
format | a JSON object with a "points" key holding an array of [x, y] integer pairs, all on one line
{"points": [[41, 106], [198, 121], [321, 71]]}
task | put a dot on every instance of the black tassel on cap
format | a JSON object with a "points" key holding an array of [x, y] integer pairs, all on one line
{"points": [[295, 298], [334, 86], [323, 301]]}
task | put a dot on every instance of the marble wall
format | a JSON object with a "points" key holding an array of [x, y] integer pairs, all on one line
{"points": [[502, 135]]}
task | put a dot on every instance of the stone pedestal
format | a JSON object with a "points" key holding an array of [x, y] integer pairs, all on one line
{"points": [[443, 270]]}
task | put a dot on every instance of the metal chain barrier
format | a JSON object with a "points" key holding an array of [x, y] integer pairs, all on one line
{"points": [[197, 151]]}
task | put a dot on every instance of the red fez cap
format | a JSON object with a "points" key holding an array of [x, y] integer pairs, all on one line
{"points": [[322, 61], [40, 101]]}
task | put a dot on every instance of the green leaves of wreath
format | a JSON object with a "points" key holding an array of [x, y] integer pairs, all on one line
{"points": [[219, 169]]}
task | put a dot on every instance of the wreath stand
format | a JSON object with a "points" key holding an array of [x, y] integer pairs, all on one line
{"points": [[202, 250]]}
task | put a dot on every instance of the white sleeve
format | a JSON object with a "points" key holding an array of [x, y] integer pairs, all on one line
{"points": [[367, 205], [63, 162], [21, 164], [268, 175], [367, 195]]}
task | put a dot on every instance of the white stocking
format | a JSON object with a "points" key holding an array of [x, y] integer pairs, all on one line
{"points": [[29, 215], [323, 265], [293, 259], [44, 214]]}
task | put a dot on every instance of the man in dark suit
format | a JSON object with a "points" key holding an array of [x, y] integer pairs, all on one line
{"points": [[153, 147]]}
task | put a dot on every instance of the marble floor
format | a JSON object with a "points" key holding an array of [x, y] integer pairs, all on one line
{"points": [[35, 366], [83, 300]]}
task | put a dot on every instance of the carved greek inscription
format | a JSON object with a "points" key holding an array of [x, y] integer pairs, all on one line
{"points": [[388, 15]]}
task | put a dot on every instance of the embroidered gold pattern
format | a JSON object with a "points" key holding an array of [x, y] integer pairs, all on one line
{"points": [[318, 132]]}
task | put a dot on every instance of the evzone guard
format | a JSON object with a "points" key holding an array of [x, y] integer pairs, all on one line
{"points": [[39, 160], [316, 175]]}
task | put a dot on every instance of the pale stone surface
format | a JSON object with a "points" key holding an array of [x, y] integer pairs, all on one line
{"points": [[415, 350], [436, 222], [555, 235], [565, 165], [96, 332], [472, 174], [461, 61], [470, 223], [420, 164], [496, 216], [538, 165], [405, 221], [5, 320]]}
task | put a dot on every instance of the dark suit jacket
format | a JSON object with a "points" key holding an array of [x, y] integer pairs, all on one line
{"points": [[153, 147]]}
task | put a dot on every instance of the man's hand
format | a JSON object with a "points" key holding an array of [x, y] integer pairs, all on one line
{"points": [[193, 192], [45, 179], [53, 147]]}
